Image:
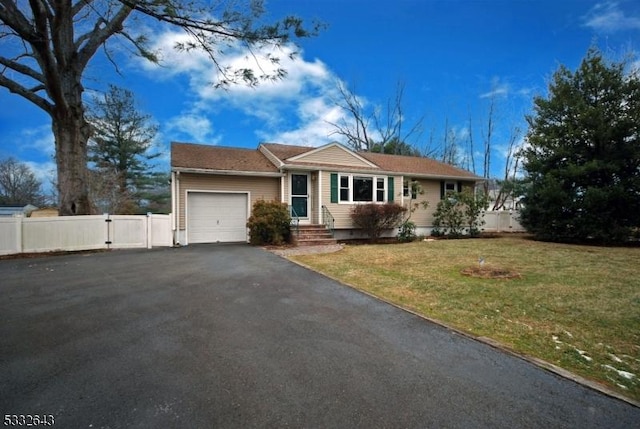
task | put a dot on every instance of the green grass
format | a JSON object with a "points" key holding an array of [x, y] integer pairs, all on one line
{"points": [[577, 307]]}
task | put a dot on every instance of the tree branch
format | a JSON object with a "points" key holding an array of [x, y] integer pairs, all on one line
{"points": [[26, 93], [11, 16], [21, 68], [100, 35]]}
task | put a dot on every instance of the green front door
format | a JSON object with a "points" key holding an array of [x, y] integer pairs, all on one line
{"points": [[300, 195]]}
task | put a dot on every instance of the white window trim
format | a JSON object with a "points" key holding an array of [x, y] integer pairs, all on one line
{"points": [[374, 178], [450, 182]]}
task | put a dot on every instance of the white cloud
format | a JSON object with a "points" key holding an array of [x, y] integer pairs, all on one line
{"points": [[39, 138], [191, 127], [496, 91], [203, 74], [314, 128], [44, 171], [499, 88], [296, 109], [608, 17]]}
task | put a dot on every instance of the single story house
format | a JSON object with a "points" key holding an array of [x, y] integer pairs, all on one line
{"points": [[213, 188]]}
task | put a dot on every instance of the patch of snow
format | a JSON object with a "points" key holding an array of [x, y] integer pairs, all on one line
{"points": [[623, 374], [568, 334], [615, 358], [583, 354]]}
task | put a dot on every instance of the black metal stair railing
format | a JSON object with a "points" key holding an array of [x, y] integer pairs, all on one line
{"points": [[328, 220]]}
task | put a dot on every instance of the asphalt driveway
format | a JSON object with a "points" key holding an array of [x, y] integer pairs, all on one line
{"points": [[236, 337]]}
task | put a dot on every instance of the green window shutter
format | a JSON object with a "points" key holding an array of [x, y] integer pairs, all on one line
{"points": [[334, 187], [390, 190], [442, 190], [459, 186]]}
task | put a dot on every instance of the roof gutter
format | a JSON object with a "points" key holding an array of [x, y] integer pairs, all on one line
{"points": [[227, 172], [348, 169], [442, 177]]}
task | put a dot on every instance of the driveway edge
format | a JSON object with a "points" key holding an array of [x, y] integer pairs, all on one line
{"points": [[547, 366]]}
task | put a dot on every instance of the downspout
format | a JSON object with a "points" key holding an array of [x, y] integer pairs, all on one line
{"points": [[176, 238], [319, 191], [173, 204]]}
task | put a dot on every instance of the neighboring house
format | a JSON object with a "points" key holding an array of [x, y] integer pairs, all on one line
{"points": [[509, 202], [214, 188], [13, 211], [45, 212]]}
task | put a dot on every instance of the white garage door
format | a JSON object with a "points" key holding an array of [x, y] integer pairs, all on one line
{"points": [[216, 217]]}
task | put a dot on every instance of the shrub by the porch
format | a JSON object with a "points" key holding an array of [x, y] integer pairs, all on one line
{"points": [[374, 219], [459, 213], [270, 223]]}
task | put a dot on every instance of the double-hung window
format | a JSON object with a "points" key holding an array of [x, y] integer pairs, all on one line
{"points": [[380, 191], [345, 188], [362, 189], [410, 188]]}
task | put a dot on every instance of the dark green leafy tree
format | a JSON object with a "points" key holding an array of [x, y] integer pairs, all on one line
{"points": [[119, 147], [18, 184], [47, 46], [583, 157], [395, 147]]}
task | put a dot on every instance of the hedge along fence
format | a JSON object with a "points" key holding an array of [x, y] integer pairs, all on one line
{"points": [[71, 233]]}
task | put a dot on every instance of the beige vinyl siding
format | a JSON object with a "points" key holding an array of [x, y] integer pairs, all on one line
{"points": [[431, 188], [259, 188], [420, 216], [334, 155]]}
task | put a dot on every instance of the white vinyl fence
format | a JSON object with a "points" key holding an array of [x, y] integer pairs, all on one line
{"points": [[25, 235], [502, 221]]}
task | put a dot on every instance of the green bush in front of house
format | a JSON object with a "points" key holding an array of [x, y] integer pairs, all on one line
{"points": [[373, 219], [270, 223], [459, 213]]}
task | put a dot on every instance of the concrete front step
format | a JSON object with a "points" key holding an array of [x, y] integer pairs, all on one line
{"points": [[316, 242], [313, 235], [319, 234]]}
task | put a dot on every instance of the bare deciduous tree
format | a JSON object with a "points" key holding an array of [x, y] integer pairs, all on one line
{"points": [[18, 184], [509, 182], [373, 128], [355, 128], [486, 162]]}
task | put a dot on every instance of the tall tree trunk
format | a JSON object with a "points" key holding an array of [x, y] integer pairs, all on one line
{"points": [[72, 132]]}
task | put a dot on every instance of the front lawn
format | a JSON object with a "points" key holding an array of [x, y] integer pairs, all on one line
{"points": [[577, 307]]}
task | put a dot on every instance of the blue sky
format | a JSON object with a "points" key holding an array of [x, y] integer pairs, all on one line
{"points": [[453, 57]]}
